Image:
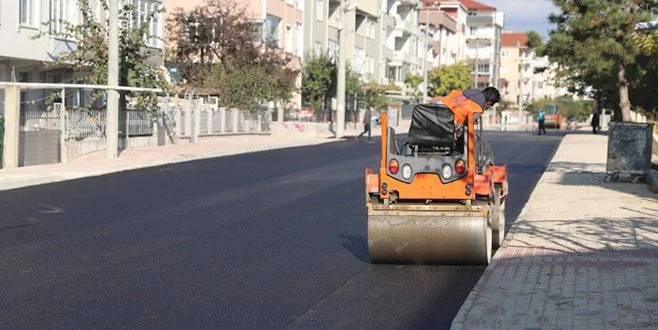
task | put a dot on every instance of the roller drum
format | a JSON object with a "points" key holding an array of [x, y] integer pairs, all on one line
{"points": [[429, 239]]}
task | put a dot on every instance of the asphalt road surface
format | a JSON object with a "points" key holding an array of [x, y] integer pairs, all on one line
{"points": [[267, 240]]}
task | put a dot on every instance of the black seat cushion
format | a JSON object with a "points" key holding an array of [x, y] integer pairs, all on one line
{"points": [[432, 125]]}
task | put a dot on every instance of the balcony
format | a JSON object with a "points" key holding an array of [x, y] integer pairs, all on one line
{"points": [[404, 57], [406, 27], [480, 20], [437, 19]]}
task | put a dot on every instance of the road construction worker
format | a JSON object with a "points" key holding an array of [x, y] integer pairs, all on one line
{"points": [[470, 101]]}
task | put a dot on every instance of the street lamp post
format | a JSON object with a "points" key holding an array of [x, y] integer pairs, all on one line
{"points": [[340, 88], [112, 119], [340, 84]]}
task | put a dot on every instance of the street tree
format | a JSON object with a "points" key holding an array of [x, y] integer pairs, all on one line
{"points": [[318, 71], [443, 79], [88, 59], [413, 82], [374, 95], [593, 47]]}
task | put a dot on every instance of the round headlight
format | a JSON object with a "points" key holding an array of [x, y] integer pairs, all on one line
{"points": [[446, 172], [406, 171]]}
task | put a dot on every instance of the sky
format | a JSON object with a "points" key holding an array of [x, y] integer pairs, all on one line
{"points": [[525, 15]]}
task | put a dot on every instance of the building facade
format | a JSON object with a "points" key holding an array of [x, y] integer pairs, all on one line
{"points": [[22, 57]]}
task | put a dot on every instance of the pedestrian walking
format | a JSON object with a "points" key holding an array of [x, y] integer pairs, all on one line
{"points": [[367, 119], [596, 120], [540, 121]]}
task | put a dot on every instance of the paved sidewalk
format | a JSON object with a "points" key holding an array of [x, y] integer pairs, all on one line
{"points": [[97, 163], [583, 254]]}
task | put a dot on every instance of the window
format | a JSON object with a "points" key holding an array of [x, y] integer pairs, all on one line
{"points": [[27, 12], [143, 8], [332, 48], [483, 68], [271, 32], [319, 10], [299, 44], [504, 52], [540, 84], [318, 48], [62, 11]]}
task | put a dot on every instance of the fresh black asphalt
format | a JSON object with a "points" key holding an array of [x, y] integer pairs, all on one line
{"points": [[266, 240]]}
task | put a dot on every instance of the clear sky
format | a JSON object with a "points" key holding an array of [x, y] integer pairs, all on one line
{"points": [[525, 15]]}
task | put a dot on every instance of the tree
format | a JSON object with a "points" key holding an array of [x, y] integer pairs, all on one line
{"points": [[593, 46], [443, 79], [374, 95], [413, 81], [317, 74], [88, 58], [217, 45], [534, 40]]}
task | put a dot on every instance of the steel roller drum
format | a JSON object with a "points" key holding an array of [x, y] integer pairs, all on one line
{"points": [[425, 238]]}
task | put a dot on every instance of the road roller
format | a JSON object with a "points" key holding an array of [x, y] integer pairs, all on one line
{"points": [[438, 198]]}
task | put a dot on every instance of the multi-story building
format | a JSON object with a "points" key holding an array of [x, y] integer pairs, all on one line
{"points": [[484, 26], [513, 60], [384, 42], [455, 43], [443, 29], [521, 82], [22, 56]]}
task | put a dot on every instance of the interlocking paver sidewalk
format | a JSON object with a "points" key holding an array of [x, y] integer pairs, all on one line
{"points": [[583, 254]]}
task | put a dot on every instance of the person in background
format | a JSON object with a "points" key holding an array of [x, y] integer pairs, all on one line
{"points": [[367, 119], [540, 121], [596, 117]]}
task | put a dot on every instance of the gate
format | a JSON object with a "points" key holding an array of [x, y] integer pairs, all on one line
{"points": [[39, 140]]}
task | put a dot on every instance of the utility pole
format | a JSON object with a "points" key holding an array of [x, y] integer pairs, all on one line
{"points": [[112, 116], [425, 55], [340, 88]]}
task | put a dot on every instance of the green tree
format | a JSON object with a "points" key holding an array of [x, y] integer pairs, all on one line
{"points": [[443, 79], [413, 81], [217, 45], [375, 95], [593, 46], [317, 75], [88, 59], [534, 40]]}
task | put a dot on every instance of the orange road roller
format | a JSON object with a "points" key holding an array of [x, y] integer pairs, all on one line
{"points": [[438, 198]]}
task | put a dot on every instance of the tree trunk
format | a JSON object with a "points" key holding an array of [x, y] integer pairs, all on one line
{"points": [[624, 102]]}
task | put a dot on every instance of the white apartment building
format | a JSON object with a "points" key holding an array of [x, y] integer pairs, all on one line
{"points": [[384, 40], [443, 29], [454, 43], [484, 26], [22, 57]]}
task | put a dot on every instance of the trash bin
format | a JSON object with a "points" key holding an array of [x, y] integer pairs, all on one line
{"points": [[629, 151]]}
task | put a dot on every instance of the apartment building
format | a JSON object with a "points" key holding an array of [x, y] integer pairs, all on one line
{"points": [[520, 81], [443, 31], [455, 43], [484, 26], [384, 41], [22, 57]]}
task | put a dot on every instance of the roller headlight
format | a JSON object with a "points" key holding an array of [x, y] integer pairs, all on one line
{"points": [[446, 172], [406, 171]]}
